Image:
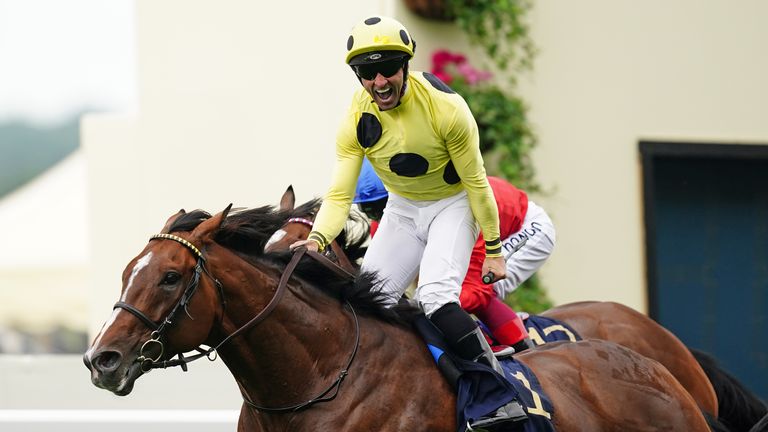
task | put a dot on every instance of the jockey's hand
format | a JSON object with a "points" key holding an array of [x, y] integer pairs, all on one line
{"points": [[309, 244], [497, 266]]}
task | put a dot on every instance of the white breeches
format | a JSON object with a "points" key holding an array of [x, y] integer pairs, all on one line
{"points": [[538, 232], [431, 238]]}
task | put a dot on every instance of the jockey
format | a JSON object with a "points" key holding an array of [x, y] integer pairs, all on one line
{"points": [[527, 231], [422, 141]]}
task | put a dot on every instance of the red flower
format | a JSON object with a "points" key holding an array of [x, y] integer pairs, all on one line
{"points": [[444, 77], [441, 58]]}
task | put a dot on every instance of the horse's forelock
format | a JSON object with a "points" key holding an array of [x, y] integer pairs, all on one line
{"points": [[309, 208], [244, 230], [189, 221]]}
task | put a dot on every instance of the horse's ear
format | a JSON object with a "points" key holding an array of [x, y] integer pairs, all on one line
{"points": [[288, 201], [171, 220], [208, 228]]}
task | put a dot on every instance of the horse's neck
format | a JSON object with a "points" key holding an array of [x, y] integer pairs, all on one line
{"points": [[300, 349], [308, 334]]}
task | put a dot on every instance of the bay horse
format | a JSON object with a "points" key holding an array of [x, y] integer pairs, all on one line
{"points": [[592, 320], [312, 349]]}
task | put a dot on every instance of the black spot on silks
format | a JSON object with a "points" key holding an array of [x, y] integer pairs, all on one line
{"points": [[437, 83], [368, 130], [350, 42], [450, 175], [372, 21], [408, 165]]}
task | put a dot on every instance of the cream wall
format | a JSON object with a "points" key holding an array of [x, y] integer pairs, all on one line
{"points": [[213, 128], [611, 73], [236, 102]]}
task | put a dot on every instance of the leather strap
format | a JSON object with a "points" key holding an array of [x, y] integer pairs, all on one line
{"points": [[281, 286], [336, 268]]}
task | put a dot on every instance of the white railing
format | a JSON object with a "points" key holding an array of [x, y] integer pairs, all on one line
{"points": [[54, 393]]}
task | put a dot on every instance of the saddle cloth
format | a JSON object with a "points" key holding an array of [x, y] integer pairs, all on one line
{"points": [[479, 394], [542, 329]]}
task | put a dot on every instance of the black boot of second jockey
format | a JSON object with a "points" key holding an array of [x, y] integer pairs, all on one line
{"points": [[468, 341], [523, 345]]}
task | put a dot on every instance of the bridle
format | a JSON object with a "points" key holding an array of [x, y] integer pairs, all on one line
{"points": [[158, 334]]}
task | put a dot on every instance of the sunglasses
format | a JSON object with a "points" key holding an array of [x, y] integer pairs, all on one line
{"points": [[386, 69]]}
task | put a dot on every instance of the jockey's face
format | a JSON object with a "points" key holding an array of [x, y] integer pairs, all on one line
{"points": [[386, 91]]}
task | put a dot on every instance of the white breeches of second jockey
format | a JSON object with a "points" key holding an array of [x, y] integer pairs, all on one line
{"points": [[431, 238], [538, 233]]}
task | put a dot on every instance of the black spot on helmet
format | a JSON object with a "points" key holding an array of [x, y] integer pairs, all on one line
{"points": [[379, 34]]}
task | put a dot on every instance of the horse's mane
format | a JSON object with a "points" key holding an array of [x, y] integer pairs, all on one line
{"points": [[352, 238], [246, 231]]}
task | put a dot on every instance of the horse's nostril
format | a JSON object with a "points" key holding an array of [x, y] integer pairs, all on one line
{"points": [[107, 361]]}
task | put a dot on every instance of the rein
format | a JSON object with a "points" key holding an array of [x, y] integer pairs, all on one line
{"points": [[158, 330], [343, 260]]}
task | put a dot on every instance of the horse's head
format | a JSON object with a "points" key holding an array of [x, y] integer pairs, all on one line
{"points": [[298, 225], [165, 289]]}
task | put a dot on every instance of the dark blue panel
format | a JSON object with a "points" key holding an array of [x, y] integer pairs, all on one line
{"points": [[712, 259]]}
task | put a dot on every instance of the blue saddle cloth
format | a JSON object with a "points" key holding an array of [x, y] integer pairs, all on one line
{"points": [[542, 330], [482, 392], [530, 395]]}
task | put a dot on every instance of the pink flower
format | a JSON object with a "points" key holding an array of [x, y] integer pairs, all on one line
{"points": [[442, 59], [472, 75]]}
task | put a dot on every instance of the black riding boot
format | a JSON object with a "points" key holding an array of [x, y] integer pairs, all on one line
{"points": [[523, 345], [468, 341]]}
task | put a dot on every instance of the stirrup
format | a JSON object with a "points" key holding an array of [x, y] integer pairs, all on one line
{"points": [[503, 417], [504, 352]]}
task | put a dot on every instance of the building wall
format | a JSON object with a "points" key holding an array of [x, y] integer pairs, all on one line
{"points": [[239, 100], [236, 102], [610, 74]]}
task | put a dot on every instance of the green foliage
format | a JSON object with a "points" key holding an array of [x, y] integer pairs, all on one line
{"points": [[506, 136], [505, 133], [529, 297], [499, 27]]}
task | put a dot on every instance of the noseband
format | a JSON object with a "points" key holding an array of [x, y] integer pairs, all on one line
{"points": [[300, 220], [158, 330], [149, 362]]}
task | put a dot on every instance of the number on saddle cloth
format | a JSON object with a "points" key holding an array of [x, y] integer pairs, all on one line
{"points": [[530, 395], [480, 390], [542, 330]]}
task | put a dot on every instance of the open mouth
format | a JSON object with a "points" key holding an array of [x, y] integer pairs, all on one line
{"points": [[120, 386], [385, 94], [131, 375]]}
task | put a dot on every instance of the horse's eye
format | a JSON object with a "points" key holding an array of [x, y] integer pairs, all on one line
{"points": [[171, 278]]}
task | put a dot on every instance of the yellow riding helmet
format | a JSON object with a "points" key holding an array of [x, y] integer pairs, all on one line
{"points": [[381, 37]]}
